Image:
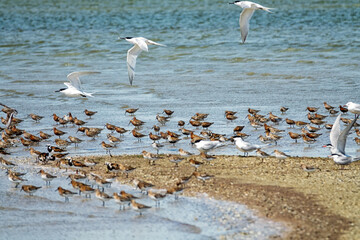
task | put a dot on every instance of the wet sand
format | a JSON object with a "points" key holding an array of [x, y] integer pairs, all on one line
{"points": [[323, 204]]}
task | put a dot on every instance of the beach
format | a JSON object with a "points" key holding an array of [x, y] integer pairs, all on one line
{"points": [[320, 205]]}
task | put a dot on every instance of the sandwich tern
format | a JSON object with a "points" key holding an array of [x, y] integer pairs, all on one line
{"points": [[338, 142], [74, 85], [245, 16], [140, 44]]}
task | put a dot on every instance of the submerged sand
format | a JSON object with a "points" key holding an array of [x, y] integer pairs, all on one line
{"points": [[324, 204]]}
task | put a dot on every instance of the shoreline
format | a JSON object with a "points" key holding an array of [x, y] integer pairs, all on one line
{"points": [[316, 205]]}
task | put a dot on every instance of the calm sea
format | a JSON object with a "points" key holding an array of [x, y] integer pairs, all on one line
{"points": [[302, 54]]}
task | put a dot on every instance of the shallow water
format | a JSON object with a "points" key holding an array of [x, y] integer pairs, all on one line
{"points": [[303, 54], [45, 215]]}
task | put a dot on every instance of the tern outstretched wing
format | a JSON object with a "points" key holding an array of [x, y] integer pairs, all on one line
{"points": [[343, 136], [335, 132], [244, 20], [132, 54], [74, 78]]}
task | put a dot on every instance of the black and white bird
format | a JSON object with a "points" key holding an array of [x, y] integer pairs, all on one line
{"points": [[245, 16], [74, 85], [140, 44], [338, 142]]}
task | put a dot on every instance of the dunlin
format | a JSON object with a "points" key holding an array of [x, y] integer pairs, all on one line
{"points": [[280, 155], [35, 117], [157, 146], [175, 159], [312, 109], [107, 147], [112, 139], [176, 191], [47, 177], [121, 130], [308, 140], [171, 139], [87, 190], [61, 142], [34, 153], [202, 176], [195, 123], [151, 157], [261, 154], [231, 117], [102, 196], [110, 127], [357, 131], [142, 185], [317, 122], [162, 120], [30, 189], [136, 122], [156, 196], [181, 123], [137, 135], [154, 137], [121, 200], [308, 169], [58, 132], [183, 180], [295, 136], [290, 122], [311, 128], [26, 143], [207, 157], [15, 179], [102, 183], [300, 123], [78, 122], [195, 163], [75, 140], [168, 112], [328, 107], [92, 133], [283, 110], [89, 113], [156, 128], [238, 128], [139, 207], [184, 153], [44, 135], [65, 193], [131, 111]]}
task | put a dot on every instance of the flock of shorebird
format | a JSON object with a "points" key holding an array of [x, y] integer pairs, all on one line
{"points": [[204, 142]]}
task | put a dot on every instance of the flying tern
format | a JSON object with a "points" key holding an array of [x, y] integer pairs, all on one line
{"points": [[140, 44], [74, 85], [245, 16]]}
